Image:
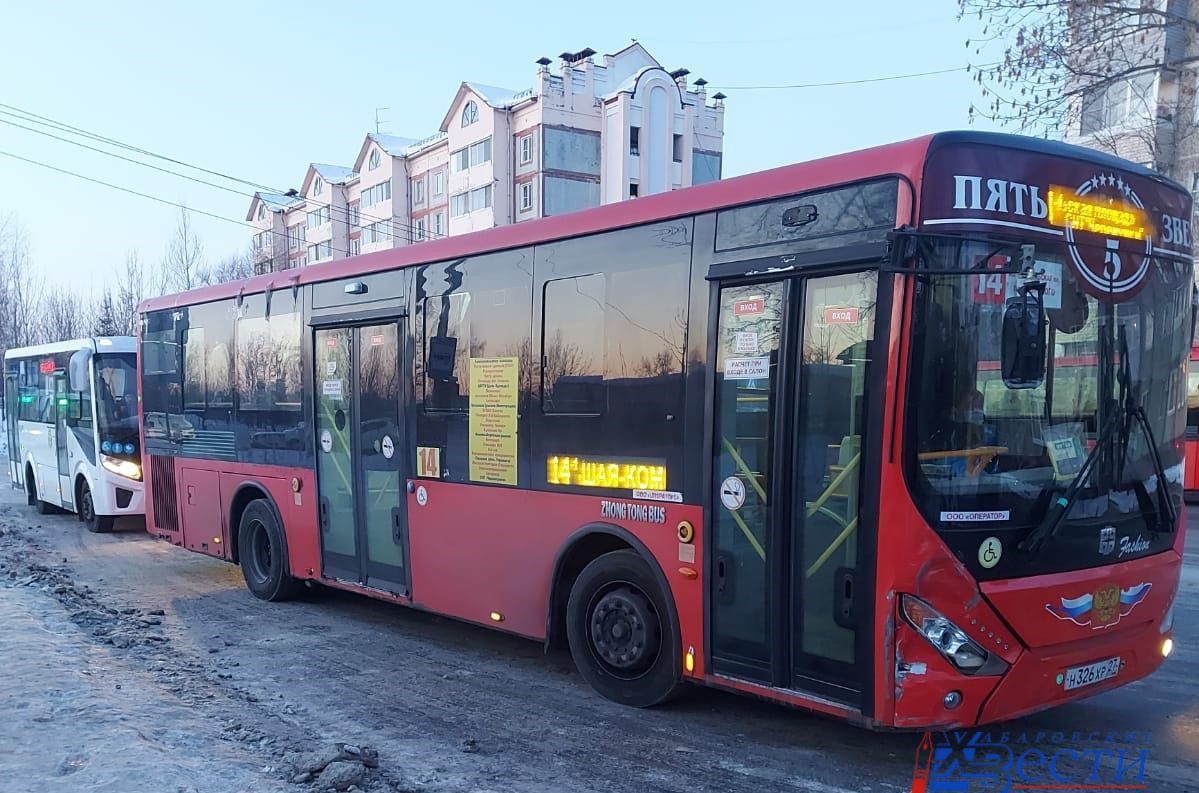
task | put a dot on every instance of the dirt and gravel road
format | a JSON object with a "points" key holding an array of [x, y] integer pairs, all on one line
{"points": [[132, 666]]}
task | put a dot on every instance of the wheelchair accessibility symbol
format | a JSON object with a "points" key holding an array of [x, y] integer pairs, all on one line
{"points": [[989, 552]]}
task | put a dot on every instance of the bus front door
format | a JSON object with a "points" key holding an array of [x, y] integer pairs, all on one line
{"points": [[62, 436], [361, 468], [791, 364]]}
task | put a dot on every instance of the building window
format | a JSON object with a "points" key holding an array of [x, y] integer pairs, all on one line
{"points": [[377, 194], [525, 145], [438, 182], [261, 211], [355, 246], [635, 141], [438, 224], [418, 190], [470, 113], [295, 237], [318, 217], [374, 161], [470, 201], [318, 186], [677, 148], [322, 250], [419, 229], [1195, 183], [526, 196], [633, 189], [1109, 104], [376, 232], [262, 240], [474, 154], [354, 213]]}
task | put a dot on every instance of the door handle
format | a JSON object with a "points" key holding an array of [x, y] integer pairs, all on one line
{"points": [[843, 594]]}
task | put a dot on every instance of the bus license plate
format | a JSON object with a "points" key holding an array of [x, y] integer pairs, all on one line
{"points": [[1089, 675]]}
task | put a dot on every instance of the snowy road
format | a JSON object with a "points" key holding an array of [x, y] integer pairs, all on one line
{"points": [[101, 693]]}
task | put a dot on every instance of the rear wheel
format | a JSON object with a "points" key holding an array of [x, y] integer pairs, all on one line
{"points": [[97, 524], [621, 636], [262, 552]]}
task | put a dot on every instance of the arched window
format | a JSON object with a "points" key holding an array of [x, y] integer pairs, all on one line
{"points": [[470, 113], [261, 211], [318, 186], [374, 161]]}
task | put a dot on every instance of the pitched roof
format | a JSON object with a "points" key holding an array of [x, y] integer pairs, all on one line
{"points": [[499, 98], [334, 174], [392, 144], [274, 202]]}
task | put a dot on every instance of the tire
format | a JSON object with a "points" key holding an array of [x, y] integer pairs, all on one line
{"points": [[96, 524], [30, 489], [262, 552], [621, 635]]}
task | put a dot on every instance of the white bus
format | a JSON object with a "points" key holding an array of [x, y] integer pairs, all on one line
{"points": [[71, 409]]}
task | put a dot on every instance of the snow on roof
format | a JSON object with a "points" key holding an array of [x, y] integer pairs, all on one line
{"points": [[500, 98], [392, 144], [334, 174], [425, 143], [276, 202]]}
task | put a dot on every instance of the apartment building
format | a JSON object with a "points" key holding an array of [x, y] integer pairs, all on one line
{"points": [[1146, 110], [589, 132]]}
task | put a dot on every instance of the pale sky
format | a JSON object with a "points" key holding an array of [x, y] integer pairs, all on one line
{"points": [[259, 90]]}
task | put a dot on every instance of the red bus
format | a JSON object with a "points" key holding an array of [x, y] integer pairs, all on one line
{"points": [[894, 436], [1192, 432]]}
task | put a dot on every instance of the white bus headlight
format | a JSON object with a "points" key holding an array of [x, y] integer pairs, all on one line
{"points": [[949, 640], [125, 468]]}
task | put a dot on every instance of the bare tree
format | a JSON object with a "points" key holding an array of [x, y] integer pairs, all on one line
{"points": [[131, 290], [183, 264], [64, 316], [1089, 67], [105, 321], [20, 291], [233, 267]]}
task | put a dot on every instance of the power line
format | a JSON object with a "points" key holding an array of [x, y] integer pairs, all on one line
{"points": [[886, 78], [345, 214], [131, 191]]}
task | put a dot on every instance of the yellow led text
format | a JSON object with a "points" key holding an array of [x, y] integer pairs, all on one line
{"points": [[1106, 218], [562, 470]]}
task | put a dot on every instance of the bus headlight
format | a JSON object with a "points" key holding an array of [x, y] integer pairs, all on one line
{"points": [[949, 640], [125, 468]]}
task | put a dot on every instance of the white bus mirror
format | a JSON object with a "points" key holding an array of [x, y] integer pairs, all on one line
{"points": [[77, 371]]}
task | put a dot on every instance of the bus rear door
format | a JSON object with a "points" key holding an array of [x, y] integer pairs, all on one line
{"points": [[361, 463]]}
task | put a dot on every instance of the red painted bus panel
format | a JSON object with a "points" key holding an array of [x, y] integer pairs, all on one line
{"points": [[1057, 610], [920, 690], [478, 549], [1033, 683], [201, 511]]}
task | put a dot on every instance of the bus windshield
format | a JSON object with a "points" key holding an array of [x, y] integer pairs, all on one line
{"points": [[115, 396], [983, 450]]}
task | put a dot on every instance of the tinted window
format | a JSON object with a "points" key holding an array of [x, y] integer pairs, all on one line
{"points": [[475, 310], [855, 213], [613, 320], [271, 426], [162, 385], [206, 429]]}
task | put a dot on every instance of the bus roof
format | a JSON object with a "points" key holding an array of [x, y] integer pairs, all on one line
{"points": [[99, 344], [905, 159]]}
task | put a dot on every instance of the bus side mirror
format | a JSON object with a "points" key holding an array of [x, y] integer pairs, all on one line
{"points": [[1022, 351], [77, 371]]}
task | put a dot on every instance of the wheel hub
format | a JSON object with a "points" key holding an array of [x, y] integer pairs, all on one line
{"points": [[624, 630]]}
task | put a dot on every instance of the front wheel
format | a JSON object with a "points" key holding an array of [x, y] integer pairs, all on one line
{"points": [[97, 524], [262, 551], [621, 635]]}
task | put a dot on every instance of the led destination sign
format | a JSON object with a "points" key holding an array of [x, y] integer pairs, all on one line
{"points": [[1108, 218], [625, 474]]}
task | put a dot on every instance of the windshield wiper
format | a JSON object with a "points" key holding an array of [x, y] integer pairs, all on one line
{"points": [[1057, 511]]}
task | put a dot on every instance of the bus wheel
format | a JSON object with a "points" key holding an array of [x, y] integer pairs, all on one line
{"points": [[97, 524], [262, 551], [621, 636]]}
